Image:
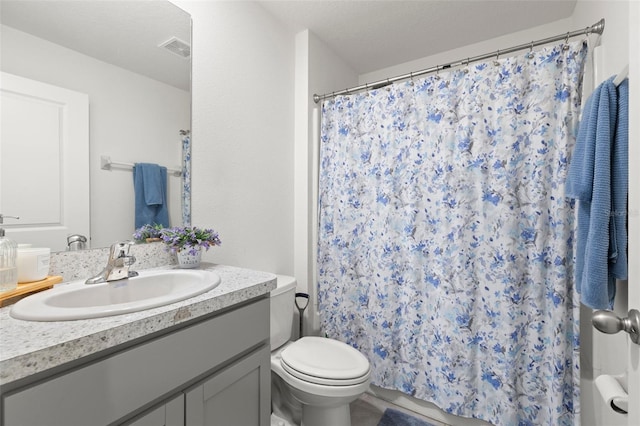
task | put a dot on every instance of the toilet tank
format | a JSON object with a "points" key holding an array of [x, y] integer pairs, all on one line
{"points": [[282, 305]]}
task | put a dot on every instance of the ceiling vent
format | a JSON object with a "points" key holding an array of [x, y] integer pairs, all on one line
{"points": [[177, 47]]}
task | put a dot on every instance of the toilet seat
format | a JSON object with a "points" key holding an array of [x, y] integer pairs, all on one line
{"points": [[325, 362]]}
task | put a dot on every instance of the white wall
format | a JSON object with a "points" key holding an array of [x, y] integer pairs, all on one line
{"points": [[455, 55], [243, 82], [132, 119]]}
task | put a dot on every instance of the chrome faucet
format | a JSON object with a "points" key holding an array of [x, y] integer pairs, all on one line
{"points": [[118, 265]]}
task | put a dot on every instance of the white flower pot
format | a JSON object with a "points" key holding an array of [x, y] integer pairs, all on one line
{"points": [[186, 258]]}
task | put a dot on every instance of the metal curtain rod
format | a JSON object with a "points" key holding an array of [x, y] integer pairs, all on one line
{"points": [[597, 28]]}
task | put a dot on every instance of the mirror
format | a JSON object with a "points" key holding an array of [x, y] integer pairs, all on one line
{"points": [[138, 96]]}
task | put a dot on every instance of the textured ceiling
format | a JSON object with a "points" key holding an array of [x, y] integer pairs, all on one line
{"points": [[371, 35], [368, 35], [122, 33]]}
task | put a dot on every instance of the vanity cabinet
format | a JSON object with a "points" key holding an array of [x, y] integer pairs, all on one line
{"points": [[210, 372]]}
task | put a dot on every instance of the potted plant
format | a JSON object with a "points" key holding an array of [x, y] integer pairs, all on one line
{"points": [[148, 233], [187, 243]]}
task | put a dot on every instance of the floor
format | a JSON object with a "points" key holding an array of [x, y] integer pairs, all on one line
{"points": [[367, 411]]}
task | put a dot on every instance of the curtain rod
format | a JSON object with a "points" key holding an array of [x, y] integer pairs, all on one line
{"points": [[597, 28]]}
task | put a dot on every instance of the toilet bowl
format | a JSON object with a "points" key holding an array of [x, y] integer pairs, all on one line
{"points": [[322, 374]]}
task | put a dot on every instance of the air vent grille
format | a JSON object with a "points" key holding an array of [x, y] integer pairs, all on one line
{"points": [[177, 47]]}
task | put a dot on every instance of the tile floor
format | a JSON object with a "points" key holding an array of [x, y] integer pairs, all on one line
{"points": [[367, 411]]}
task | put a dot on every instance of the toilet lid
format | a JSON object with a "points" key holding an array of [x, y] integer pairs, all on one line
{"points": [[325, 361]]}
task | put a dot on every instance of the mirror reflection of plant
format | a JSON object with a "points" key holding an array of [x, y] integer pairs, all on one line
{"points": [[148, 231], [191, 238]]}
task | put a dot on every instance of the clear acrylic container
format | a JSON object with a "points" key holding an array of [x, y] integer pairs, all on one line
{"points": [[8, 263]]}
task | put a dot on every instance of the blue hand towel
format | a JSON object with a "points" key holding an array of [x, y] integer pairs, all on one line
{"points": [[598, 180], [150, 186]]}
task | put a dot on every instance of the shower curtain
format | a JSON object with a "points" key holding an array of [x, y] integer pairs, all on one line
{"points": [[446, 244], [186, 180]]}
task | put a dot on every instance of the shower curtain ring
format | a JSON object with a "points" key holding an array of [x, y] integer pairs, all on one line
{"points": [[497, 61], [530, 55]]}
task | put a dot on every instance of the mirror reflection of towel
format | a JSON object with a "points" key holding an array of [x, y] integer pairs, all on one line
{"points": [[150, 186]]}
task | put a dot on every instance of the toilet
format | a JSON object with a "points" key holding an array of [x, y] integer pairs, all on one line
{"points": [[319, 374]]}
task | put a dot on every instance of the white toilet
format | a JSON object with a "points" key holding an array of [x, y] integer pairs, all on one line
{"points": [[322, 374]]}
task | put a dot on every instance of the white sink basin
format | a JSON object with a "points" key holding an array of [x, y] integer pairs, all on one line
{"points": [[150, 289]]}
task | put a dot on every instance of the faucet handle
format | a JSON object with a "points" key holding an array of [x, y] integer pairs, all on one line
{"points": [[120, 249], [124, 261]]}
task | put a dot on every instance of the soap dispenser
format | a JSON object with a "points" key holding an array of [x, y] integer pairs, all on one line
{"points": [[8, 260]]}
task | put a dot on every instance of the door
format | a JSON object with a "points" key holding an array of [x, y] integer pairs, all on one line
{"points": [[634, 207], [44, 162]]}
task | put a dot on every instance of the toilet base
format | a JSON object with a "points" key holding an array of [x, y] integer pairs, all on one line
{"points": [[323, 416], [279, 421]]}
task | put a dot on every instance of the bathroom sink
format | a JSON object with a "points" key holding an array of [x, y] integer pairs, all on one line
{"points": [[77, 300]]}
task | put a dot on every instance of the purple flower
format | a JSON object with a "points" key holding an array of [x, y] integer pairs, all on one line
{"points": [[191, 238], [148, 231]]}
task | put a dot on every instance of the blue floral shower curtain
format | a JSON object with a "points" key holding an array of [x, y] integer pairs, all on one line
{"points": [[446, 243], [186, 180]]}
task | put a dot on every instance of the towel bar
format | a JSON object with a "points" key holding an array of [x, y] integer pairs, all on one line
{"points": [[107, 164]]}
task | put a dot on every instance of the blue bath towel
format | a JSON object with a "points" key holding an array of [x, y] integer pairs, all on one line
{"points": [[598, 180], [150, 186]]}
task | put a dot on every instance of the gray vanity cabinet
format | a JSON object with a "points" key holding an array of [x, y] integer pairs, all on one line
{"points": [[210, 372]]}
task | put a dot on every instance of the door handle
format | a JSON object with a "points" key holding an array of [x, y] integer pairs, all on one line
{"points": [[608, 322]]}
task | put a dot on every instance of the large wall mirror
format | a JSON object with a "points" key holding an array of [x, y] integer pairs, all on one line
{"points": [[83, 81]]}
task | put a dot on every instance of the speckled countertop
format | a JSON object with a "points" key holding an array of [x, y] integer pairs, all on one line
{"points": [[29, 347]]}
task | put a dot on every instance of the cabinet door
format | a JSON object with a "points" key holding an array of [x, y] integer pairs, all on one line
{"points": [[169, 414], [239, 395]]}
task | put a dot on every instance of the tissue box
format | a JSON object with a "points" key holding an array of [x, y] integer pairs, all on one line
{"points": [[33, 264]]}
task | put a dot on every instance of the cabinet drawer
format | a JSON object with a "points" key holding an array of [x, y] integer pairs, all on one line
{"points": [[107, 390]]}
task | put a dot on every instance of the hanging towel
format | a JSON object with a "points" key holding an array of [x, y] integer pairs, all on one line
{"points": [[150, 186], [598, 180]]}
